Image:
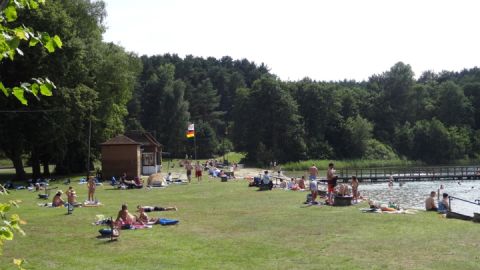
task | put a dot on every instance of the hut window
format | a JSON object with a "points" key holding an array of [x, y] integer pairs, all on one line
{"points": [[148, 159]]}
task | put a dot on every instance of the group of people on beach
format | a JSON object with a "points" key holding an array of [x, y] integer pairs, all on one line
{"points": [[443, 204], [212, 166], [124, 217], [342, 190], [57, 200]]}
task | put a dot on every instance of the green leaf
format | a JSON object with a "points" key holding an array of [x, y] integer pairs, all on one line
{"points": [[58, 41], [17, 262], [4, 90], [20, 33], [50, 45], [33, 41], [10, 13], [45, 90], [35, 89], [13, 43], [11, 54], [6, 233], [19, 94], [33, 4], [4, 207]]}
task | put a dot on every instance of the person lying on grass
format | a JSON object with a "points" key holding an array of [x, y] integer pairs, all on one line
{"points": [[147, 208], [143, 217]]}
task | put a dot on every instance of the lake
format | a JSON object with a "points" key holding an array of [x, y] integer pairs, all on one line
{"points": [[413, 194]]}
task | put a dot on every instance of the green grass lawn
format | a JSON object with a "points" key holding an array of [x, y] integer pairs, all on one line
{"points": [[231, 226]]}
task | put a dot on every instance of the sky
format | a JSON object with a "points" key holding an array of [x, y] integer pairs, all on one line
{"points": [[326, 40]]}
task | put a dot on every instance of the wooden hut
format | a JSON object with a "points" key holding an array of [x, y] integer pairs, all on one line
{"points": [[120, 155], [151, 151], [134, 153]]}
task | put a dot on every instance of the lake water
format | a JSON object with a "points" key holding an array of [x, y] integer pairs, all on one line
{"points": [[413, 194]]}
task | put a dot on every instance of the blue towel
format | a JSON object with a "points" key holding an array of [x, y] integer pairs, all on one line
{"points": [[166, 221]]}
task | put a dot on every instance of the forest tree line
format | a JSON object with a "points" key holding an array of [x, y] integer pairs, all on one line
{"points": [[234, 104]]}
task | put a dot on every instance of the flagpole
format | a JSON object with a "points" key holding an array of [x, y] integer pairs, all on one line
{"points": [[195, 147]]}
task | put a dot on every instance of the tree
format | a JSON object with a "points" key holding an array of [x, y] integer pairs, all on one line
{"points": [[453, 108], [320, 111], [276, 122], [165, 110], [394, 89], [10, 224], [358, 133], [11, 37]]}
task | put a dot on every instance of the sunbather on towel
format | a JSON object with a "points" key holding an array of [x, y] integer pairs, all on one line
{"points": [[124, 217], [147, 208], [143, 217], [57, 199]]}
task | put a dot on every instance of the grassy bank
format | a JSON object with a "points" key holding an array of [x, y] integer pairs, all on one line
{"points": [[356, 163], [231, 226]]}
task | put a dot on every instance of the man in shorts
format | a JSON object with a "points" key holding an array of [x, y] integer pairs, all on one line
{"points": [[198, 171], [189, 168], [332, 182]]}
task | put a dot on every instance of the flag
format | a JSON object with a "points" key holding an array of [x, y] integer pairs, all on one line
{"points": [[191, 131]]}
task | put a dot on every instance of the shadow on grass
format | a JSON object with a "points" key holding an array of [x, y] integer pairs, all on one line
{"points": [[107, 239]]}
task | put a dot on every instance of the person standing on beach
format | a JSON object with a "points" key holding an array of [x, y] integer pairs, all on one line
{"points": [[91, 185], [313, 174], [189, 168], [198, 171], [355, 188], [332, 182]]}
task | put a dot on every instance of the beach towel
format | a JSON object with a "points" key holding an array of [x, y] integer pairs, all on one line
{"points": [[166, 221], [91, 204]]}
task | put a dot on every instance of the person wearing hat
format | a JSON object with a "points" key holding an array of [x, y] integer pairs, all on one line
{"points": [[57, 199], [71, 196]]}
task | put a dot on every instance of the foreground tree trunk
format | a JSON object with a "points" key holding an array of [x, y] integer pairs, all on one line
{"points": [[36, 172], [20, 174], [46, 169]]}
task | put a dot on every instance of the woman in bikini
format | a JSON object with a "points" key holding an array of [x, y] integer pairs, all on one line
{"points": [[91, 185]]}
